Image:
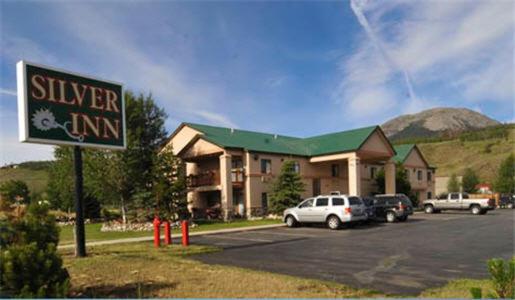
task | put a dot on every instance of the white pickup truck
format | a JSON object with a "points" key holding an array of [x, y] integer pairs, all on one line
{"points": [[459, 201]]}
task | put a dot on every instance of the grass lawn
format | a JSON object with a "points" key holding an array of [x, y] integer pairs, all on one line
{"points": [[140, 270], [93, 232], [459, 288]]}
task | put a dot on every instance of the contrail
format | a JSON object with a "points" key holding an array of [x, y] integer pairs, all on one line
{"points": [[356, 6]]}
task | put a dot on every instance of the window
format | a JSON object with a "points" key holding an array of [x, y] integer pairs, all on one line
{"points": [[316, 186], [296, 167], [419, 175], [335, 170], [429, 194], [455, 196], [373, 172], [237, 163], [337, 201], [322, 201], [307, 203], [266, 166], [465, 195], [354, 201], [264, 202], [429, 174]]}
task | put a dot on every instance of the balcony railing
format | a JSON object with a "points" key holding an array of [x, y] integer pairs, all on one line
{"points": [[208, 178], [203, 179]]}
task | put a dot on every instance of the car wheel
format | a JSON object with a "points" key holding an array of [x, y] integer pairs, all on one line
{"points": [[290, 221], [510, 205], [390, 217], [429, 209], [475, 209], [333, 222]]}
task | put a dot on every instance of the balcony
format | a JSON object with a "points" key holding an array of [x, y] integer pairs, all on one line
{"points": [[207, 178], [210, 178], [237, 177]]}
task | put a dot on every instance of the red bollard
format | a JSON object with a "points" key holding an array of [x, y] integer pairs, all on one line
{"points": [[168, 235], [157, 234], [185, 233]]}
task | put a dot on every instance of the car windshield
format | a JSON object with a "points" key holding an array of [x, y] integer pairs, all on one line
{"points": [[368, 201]]}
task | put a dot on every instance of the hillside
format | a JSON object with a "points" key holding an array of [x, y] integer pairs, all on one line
{"points": [[436, 122], [482, 155], [35, 174]]}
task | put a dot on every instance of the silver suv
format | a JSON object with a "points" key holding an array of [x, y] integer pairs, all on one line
{"points": [[333, 210]]}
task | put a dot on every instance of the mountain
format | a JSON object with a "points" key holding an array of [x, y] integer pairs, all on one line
{"points": [[436, 122]]}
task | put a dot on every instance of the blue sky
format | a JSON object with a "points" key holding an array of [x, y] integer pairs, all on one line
{"points": [[295, 67]]}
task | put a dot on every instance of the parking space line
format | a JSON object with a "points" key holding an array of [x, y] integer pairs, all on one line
{"points": [[241, 238], [288, 234]]}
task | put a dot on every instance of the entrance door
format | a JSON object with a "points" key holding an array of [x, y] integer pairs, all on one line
{"points": [[238, 203]]}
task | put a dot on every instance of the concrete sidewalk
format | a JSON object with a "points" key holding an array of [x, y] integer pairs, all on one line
{"points": [[150, 238]]}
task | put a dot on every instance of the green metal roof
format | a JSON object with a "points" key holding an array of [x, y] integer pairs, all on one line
{"points": [[265, 142], [402, 152]]}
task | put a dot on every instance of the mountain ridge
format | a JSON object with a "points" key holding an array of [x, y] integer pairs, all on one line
{"points": [[436, 122]]}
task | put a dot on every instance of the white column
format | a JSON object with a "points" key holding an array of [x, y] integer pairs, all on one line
{"points": [[389, 177], [226, 184], [248, 203], [354, 176]]}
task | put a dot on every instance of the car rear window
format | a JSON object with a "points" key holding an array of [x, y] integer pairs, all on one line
{"points": [[338, 201], [355, 201], [322, 201]]}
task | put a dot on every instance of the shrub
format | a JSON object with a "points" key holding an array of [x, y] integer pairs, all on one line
{"points": [[502, 277], [29, 263]]}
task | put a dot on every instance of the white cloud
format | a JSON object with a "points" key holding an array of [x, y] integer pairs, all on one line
{"points": [[15, 48], [215, 118], [104, 36], [464, 46], [7, 92]]}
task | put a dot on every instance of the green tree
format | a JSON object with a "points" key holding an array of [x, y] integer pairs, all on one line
{"points": [[15, 191], [286, 189], [169, 186], [469, 181], [29, 263], [131, 170], [505, 181], [453, 185]]}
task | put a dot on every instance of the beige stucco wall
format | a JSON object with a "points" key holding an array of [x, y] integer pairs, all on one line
{"points": [[200, 148], [375, 146], [182, 138]]}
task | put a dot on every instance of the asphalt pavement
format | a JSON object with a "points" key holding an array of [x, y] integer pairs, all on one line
{"points": [[400, 258]]}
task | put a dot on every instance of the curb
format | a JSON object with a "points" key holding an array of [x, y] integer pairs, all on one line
{"points": [[151, 238]]}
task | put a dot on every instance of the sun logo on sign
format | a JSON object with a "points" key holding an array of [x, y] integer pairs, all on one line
{"points": [[44, 120]]}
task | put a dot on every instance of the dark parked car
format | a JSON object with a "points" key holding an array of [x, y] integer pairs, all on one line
{"points": [[393, 207], [507, 201], [370, 209]]}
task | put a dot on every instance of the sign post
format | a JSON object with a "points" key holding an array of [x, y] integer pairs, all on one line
{"points": [[58, 107]]}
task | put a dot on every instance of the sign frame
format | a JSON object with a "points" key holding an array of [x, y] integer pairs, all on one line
{"points": [[24, 118]]}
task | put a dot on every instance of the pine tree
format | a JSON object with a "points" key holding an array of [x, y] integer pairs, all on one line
{"points": [[15, 191], [505, 181], [453, 185], [469, 181], [286, 189]]}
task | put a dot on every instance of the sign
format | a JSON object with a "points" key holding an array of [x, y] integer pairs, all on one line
{"points": [[65, 108]]}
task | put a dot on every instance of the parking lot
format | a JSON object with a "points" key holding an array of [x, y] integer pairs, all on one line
{"points": [[399, 258]]}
